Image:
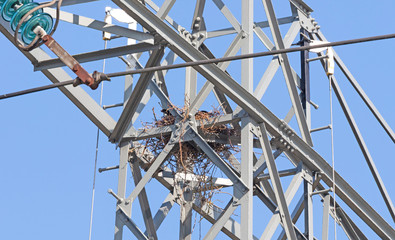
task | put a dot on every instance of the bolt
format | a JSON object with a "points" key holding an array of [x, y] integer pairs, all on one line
{"points": [[288, 147], [289, 132], [292, 150], [201, 35], [182, 29], [197, 25], [198, 19], [281, 140], [194, 36], [194, 44]]}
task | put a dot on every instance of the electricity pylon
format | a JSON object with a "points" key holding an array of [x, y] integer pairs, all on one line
{"points": [[261, 135]]}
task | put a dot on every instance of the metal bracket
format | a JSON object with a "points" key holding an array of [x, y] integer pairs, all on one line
{"points": [[119, 199]]}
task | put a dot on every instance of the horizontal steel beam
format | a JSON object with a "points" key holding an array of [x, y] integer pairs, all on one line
{"points": [[98, 55], [262, 24], [101, 26]]}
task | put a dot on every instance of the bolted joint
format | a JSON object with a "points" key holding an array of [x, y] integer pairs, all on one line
{"points": [[243, 34]]}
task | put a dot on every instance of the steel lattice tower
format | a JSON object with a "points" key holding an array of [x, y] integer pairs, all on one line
{"points": [[236, 88]]}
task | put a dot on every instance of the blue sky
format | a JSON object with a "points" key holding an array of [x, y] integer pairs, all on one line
{"points": [[47, 145]]}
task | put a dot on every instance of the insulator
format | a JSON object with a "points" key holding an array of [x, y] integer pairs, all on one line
{"points": [[42, 19], [21, 12], [9, 8], [14, 10]]}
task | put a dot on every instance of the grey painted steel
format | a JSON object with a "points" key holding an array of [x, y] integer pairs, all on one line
{"points": [[294, 215], [97, 55], [275, 63], [134, 100], [308, 210], [208, 86], [164, 210], [271, 70], [186, 214], [143, 200], [151, 171], [229, 16], [275, 220], [282, 173], [247, 81], [272, 207], [265, 185], [325, 217], [122, 178], [258, 111], [362, 145], [213, 156], [190, 84], [253, 55], [262, 24], [320, 128], [304, 129], [131, 225], [278, 190], [222, 220], [305, 78], [165, 8], [231, 228], [101, 26], [298, 150], [76, 94], [361, 92]]}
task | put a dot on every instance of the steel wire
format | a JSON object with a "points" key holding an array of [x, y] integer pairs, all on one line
{"points": [[208, 61]]}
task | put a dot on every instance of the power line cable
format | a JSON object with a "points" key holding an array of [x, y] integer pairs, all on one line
{"points": [[208, 61]]}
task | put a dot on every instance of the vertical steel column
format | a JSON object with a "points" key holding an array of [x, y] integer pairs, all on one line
{"points": [[325, 217], [305, 99], [186, 212], [305, 78], [190, 85], [122, 177], [131, 59], [247, 16], [308, 210]]}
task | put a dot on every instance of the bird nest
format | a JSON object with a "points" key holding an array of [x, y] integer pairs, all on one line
{"points": [[187, 159]]}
